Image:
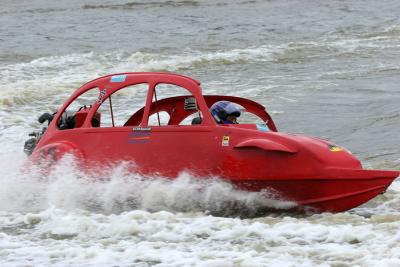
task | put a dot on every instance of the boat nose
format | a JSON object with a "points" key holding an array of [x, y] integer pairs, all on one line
{"points": [[330, 154]]}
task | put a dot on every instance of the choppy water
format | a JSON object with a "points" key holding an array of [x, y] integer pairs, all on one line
{"points": [[328, 69]]}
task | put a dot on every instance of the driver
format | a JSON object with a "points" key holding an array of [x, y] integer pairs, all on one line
{"points": [[225, 112]]}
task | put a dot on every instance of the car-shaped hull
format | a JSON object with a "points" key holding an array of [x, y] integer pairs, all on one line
{"points": [[313, 173]]}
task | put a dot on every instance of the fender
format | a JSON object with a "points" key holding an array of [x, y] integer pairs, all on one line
{"points": [[266, 145], [55, 151]]}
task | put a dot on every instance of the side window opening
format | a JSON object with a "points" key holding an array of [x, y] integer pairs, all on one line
{"points": [[122, 105], [173, 105], [75, 114]]}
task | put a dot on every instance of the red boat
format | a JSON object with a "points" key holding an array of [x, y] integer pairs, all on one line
{"points": [[172, 130]]}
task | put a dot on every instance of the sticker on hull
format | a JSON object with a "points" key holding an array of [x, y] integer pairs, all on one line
{"points": [[139, 136], [335, 148], [225, 140], [118, 78]]}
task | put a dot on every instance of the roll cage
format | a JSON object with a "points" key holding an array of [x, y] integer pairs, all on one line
{"points": [[176, 107]]}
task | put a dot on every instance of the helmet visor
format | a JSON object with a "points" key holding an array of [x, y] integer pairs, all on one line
{"points": [[232, 110]]}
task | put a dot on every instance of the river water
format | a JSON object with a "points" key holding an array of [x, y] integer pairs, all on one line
{"points": [[323, 68]]}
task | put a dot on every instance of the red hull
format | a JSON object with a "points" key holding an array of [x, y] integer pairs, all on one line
{"points": [[326, 194]]}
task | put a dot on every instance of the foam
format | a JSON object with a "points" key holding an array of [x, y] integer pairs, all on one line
{"points": [[116, 190], [182, 239]]}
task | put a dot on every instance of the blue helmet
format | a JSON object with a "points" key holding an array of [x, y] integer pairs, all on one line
{"points": [[222, 109]]}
